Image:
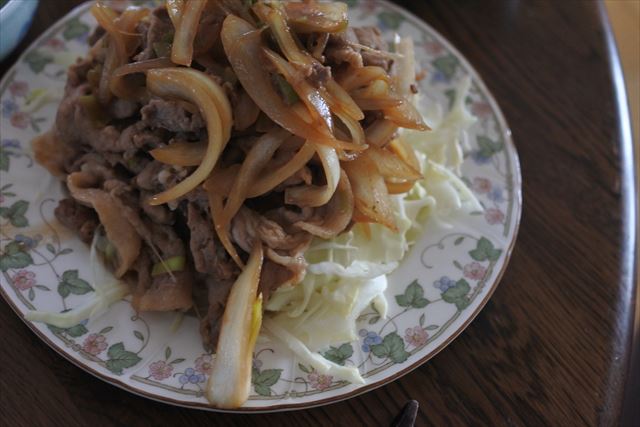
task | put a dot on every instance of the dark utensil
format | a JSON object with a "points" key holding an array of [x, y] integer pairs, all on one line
{"points": [[407, 416]]}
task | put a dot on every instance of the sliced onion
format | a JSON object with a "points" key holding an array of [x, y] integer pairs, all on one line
{"points": [[53, 153], [376, 104], [230, 379], [371, 197], [216, 208], [245, 112], [182, 48], [308, 94], [355, 129], [399, 187], [181, 153], [340, 100], [110, 64], [376, 96], [257, 158], [317, 17], [273, 178], [406, 152], [119, 86], [120, 232], [196, 87], [313, 195], [174, 10], [320, 45], [405, 115], [122, 40], [361, 77], [275, 19], [380, 132], [391, 166], [105, 16], [243, 46], [143, 66], [339, 212], [404, 67]]}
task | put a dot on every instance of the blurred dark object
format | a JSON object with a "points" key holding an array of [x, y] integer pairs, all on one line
{"points": [[407, 417]]}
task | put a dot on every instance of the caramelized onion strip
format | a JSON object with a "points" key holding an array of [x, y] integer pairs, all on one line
{"points": [[181, 153], [182, 48], [198, 88], [216, 208], [371, 198], [257, 158], [339, 212], [313, 195]]}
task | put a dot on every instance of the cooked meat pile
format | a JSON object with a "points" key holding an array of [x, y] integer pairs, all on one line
{"points": [[102, 150]]}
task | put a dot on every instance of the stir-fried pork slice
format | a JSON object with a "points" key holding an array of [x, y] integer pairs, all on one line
{"points": [[172, 116], [78, 218]]}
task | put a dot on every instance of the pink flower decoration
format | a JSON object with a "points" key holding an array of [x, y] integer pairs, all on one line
{"points": [[474, 271], [481, 185], [416, 336], [368, 5], [433, 48], [24, 280], [319, 382], [55, 44], [94, 344], [494, 216], [20, 120], [481, 109], [160, 370], [19, 89], [203, 364]]}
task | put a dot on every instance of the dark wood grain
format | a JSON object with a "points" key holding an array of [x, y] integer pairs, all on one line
{"points": [[552, 346]]}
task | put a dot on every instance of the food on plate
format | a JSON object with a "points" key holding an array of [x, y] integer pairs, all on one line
{"points": [[244, 161]]}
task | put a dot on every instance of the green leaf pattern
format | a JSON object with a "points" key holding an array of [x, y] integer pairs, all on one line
{"points": [[263, 380], [16, 213], [485, 251], [38, 60], [488, 147], [392, 347], [120, 358], [458, 294], [75, 28], [340, 354], [72, 284], [413, 297], [14, 256], [447, 65]]}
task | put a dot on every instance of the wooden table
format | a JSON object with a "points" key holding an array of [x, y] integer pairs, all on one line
{"points": [[553, 345]]}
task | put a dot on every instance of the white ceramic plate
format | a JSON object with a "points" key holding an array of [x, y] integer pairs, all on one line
{"points": [[439, 288]]}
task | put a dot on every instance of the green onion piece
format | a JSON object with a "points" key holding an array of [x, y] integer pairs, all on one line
{"points": [[175, 263], [287, 92], [109, 252], [98, 116]]}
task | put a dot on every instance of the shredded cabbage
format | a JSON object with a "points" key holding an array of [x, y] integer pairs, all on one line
{"points": [[348, 273]]}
